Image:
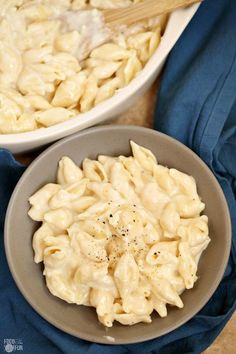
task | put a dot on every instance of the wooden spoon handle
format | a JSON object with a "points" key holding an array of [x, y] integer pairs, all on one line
{"points": [[143, 10]]}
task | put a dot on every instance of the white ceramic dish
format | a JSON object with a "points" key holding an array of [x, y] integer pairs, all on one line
{"points": [[114, 106]]}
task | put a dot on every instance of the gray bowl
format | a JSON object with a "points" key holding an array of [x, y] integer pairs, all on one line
{"points": [[82, 321]]}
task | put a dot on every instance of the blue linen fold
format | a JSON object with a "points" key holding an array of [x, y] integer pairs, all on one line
{"points": [[196, 105]]}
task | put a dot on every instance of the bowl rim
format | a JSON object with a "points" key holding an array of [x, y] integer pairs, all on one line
{"points": [[107, 128], [95, 115]]}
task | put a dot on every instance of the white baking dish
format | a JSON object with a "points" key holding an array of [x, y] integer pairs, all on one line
{"points": [[114, 106]]}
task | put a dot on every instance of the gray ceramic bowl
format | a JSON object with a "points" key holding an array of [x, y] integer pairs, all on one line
{"points": [[82, 321]]}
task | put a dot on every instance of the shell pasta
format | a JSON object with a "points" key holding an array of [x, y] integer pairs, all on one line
{"points": [[121, 234], [58, 59]]}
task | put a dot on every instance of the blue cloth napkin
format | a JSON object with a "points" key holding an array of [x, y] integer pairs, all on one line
{"points": [[196, 105]]}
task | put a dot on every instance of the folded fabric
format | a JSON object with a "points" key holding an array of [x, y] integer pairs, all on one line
{"points": [[197, 106]]}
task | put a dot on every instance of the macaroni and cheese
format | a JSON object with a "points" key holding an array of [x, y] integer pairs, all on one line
{"points": [[58, 59], [122, 234]]}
